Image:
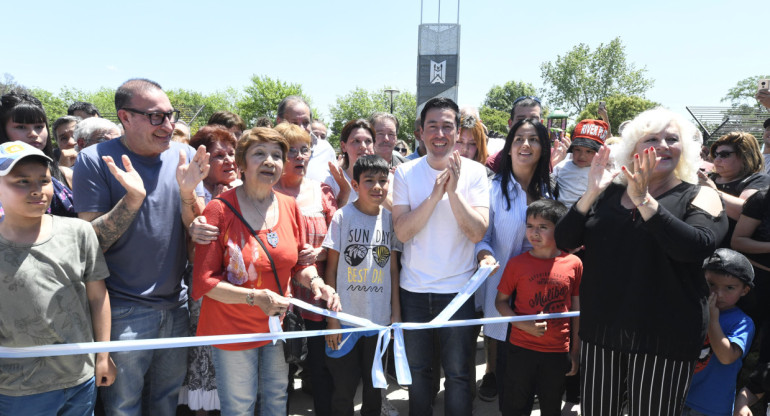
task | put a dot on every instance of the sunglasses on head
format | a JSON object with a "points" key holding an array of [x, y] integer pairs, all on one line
{"points": [[526, 97]]}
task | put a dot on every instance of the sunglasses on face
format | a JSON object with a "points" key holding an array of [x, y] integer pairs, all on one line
{"points": [[400, 149], [723, 154]]}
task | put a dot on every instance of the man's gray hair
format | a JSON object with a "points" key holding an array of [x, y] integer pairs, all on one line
{"points": [[89, 127], [291, 100]]}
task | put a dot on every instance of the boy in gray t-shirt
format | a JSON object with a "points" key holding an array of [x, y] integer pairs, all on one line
{"points": [[52, 291], [362, 266]]}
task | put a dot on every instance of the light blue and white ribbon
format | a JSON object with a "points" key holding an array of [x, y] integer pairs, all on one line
{"points": [[359, 324]]}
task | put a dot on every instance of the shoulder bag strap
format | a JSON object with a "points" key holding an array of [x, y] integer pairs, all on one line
{"points": [[254, 233]]}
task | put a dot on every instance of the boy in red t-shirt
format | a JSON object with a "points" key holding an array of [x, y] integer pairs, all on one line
{"points": [[542, 280]]}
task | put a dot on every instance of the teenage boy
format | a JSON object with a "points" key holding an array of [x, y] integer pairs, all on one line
{"points": [[570, 177], [544, 280], [730, 276], [51, 292], [367, 280]]}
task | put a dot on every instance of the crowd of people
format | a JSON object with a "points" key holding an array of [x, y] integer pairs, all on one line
{"points": [[146, 230]]}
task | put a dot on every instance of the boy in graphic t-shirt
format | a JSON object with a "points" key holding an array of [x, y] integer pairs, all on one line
{"points": [[361, 265], [542, 280]]}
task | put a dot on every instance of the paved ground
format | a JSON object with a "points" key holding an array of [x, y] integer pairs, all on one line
{"points": [[302, 404]]}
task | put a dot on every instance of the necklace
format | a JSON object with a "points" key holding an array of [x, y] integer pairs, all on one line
{"points": [[272, 236]]}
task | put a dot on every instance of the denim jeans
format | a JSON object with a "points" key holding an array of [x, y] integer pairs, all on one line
{"points": [[163, 369], [456, 346], [250, 372], [73, 401]]}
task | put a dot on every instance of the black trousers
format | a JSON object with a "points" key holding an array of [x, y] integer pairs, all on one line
{"points": [[647, 384], [532, 372], [349, 370], [320, 377]]}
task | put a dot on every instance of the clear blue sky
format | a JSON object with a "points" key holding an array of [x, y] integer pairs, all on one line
{"points": [[694, 50]]}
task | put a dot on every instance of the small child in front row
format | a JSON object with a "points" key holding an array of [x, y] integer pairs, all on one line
{"points": [[52, 291], [570, 177], [730, 276], [544, 280], [362, 266]]}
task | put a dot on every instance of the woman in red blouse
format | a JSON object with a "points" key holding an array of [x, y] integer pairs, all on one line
{"points": [[234, 277]]}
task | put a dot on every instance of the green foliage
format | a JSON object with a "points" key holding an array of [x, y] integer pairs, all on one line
{"points": [[502, 97], [360, 103], [583, 76], [262, 96], [743, 92], [211, 103], [54, 106], [619, 109], [495, 119]]}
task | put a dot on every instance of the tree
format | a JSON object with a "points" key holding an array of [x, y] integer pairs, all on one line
{"points": [[502, 97], [583, 76], [619, 109], [743, 92], [361, 103], [210, 103], [53, 105], [495, 119], [262, 96], [9, 84]]}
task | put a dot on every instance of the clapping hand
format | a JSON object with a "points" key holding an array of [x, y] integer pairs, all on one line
{"points": [[599, 176], [128, 178], [704, 180], [189, 175], [639, 180], [339, 176], [455, 164], [559, 150]]}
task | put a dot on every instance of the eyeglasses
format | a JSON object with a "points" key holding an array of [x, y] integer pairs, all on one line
{"points": [[723, 154], [293, 152], [400, 149], [156, 118], [526, 97]]}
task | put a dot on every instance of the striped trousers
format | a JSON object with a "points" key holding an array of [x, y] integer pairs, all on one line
{"points": [[645, 384]]}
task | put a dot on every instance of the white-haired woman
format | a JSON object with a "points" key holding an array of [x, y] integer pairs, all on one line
{"points": [[643, 297]]}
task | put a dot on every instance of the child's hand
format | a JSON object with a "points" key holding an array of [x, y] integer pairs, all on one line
{"points": [[489, 261], [534, 328], [105, 370], [333, 340], [713, 309]]}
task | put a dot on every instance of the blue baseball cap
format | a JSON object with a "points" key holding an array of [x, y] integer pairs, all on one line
{"points": [[12, 152]]}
